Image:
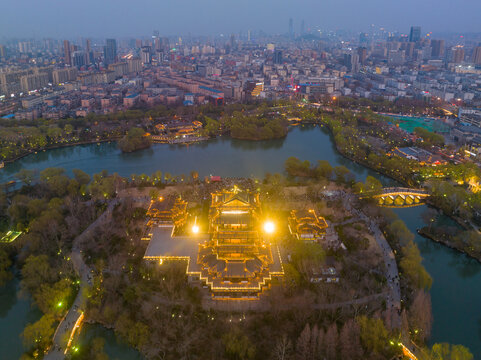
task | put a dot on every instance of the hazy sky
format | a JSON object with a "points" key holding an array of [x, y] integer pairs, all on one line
{"points": [[119, 18]]}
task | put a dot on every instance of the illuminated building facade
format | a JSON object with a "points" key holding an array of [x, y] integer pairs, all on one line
{"points": [[234, 258], [305, 225], [238, 261], [170, 211]]}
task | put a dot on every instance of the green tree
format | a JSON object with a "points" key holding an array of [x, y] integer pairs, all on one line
{"points": [[374, 336], [398, 231], [36, 271], [53, 298], [444, 351], [296, 167], [342, 174], [324, 169], [134, 140], [412, 268], [238, 346], [81, 176], [39, 334], [5, 263]]}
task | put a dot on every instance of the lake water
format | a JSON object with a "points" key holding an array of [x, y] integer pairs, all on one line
{"points": [[456, 291]]}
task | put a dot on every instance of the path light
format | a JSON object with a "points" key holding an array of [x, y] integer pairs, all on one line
{"points": [[269, 227], [59, 304]]}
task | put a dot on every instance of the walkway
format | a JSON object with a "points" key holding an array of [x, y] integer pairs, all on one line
{"points": [[392, 275], [66, 326]]}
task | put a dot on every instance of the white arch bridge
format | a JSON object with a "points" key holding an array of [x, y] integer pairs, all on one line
{"points": [[400, 197]]}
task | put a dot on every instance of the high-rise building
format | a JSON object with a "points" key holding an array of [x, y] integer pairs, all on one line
{"points": [[78, 59], [3, 52], [63, 75], [157, 44], [409, 49], [135, 65], [165, 44], [34, 81], [25, 47], [88, 51], [351, 61], [415, 34], [146, 55], [291, 28], [458, 54], [476, 55], [248, 35], [110, 51], [303, 30], [277, 57], [67, 59], [362, 52], [438, 48]]}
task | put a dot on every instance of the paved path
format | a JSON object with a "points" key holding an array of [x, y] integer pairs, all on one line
{"points": [[392, 275], [67, 324]]}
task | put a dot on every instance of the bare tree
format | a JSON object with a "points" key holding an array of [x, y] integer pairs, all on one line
{"points": [[332, 339], [283, 348], [350, 342], [421, 318], [303, 346]]}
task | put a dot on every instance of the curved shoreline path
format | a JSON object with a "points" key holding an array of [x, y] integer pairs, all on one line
{"points": [[70, 323], [392, 275]]}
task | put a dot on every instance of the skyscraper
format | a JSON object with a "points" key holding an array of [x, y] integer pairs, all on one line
{"points": [[415, 34], [458, 54], [362, 52], [110, 51], [78, 59], [303, 27], [67, 59], [146, 54], [477, 55], [277, 57], [438, 48], [88, 51], [291, 28]]}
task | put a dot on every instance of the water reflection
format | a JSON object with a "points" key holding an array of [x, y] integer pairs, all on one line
{"points": [[8, 298]]}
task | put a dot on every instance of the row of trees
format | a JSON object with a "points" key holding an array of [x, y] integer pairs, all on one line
{"points": [[322, 170]]}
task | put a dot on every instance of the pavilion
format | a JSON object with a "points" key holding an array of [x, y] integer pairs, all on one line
{"points": [[235, 258], [305, 225]]}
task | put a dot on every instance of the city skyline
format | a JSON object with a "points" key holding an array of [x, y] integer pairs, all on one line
{"points": [[169, 18]]}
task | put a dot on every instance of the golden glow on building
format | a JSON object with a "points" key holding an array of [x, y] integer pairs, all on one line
{"points": [[237, 262], [167, 211], [306, 225]]}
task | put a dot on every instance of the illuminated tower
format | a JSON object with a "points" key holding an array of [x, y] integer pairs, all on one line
{"points": [[237, 261]]}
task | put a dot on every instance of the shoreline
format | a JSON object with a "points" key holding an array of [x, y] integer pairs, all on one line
{"points": [[53, 147], [431, 237]]}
